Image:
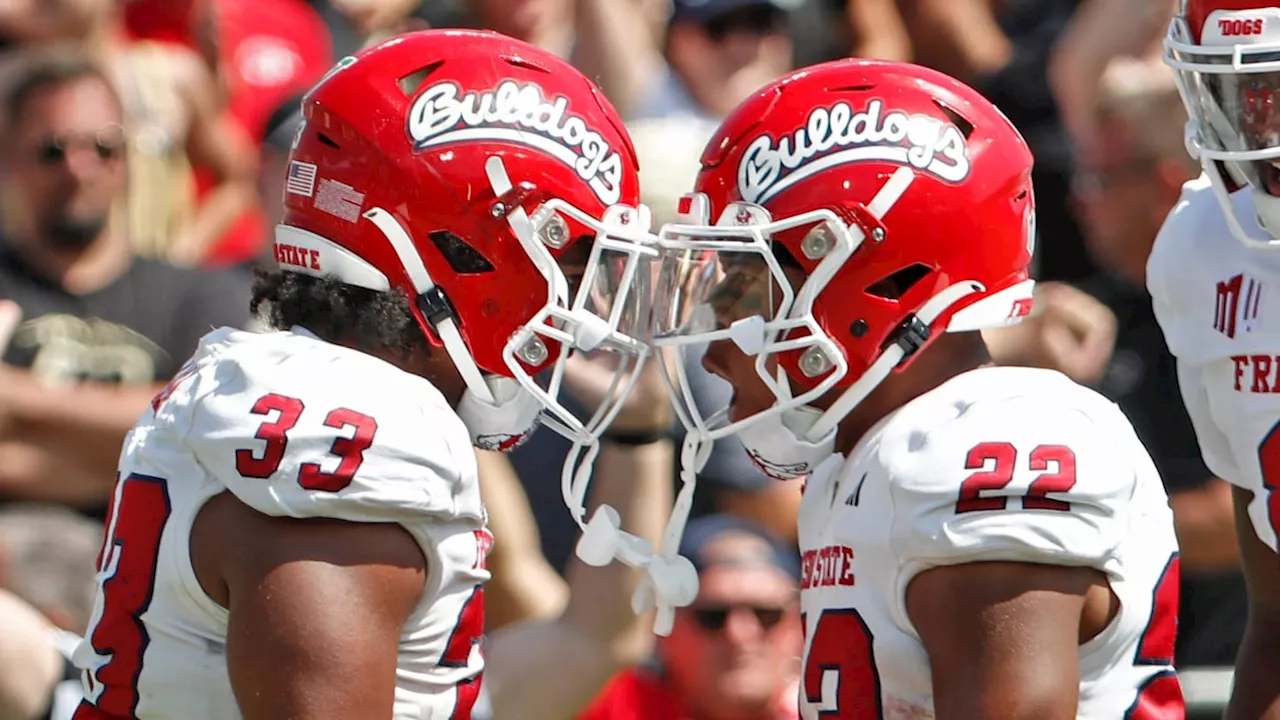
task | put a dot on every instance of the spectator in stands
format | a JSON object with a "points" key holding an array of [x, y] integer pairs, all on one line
{"points": [[102, 328], [735, 653], [262, 52], [1002, 49], [717, 52], [1125, 188], [549, 24], [174, 116], [1100, 31]]}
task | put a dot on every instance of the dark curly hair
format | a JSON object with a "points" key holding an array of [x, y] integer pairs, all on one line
{"points": [[369, 320]]}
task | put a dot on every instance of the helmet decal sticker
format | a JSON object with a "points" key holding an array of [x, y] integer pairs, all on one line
{"points": [[517, 113], [837, 135]]}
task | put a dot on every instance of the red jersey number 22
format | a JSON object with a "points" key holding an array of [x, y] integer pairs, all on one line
{"points": [[841, 681]]}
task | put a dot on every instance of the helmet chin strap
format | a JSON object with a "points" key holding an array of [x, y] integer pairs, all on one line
{"points": [[797, 441], [907, 340], [670, 580], [424, 287]]}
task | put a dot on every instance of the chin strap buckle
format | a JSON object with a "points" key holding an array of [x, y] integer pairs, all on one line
{"points": [[435, 306], [911, 335], [670, 581]]}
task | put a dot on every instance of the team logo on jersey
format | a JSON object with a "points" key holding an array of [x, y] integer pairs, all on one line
{"points": [[1236, 305], [517, 113], [838, 135]]}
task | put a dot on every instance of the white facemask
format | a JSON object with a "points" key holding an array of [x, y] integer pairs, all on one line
{"points": [[775, 442], [507, 422]]}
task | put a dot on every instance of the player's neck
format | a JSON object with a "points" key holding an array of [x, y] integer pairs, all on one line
{"points": [[435, 368], [947, 357]]}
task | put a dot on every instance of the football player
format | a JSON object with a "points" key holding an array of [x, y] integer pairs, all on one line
{"points": [[977, 541], [297, 529], [1213, 274]]}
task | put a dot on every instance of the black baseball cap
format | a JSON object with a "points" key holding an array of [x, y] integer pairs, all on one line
{"points": [[703, 531], [700, 11]]}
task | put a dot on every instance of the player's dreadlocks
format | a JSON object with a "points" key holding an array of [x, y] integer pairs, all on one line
{"points": [[337, 312]]}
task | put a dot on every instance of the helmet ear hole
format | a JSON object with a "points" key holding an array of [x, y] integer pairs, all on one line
{"points": [[962, 124], [464, 259], [895, 285], [784, 256], [410, 83]]}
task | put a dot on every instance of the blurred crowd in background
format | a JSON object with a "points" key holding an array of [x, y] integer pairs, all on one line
{"points": [[142, 161]]}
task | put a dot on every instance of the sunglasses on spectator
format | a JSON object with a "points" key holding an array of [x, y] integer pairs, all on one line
{"points": [[107, 144], [753, 20], [713, 618]]}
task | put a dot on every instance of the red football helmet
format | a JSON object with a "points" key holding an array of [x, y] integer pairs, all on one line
{"points": [[844, 216], [463, 168], [1226, 54]]}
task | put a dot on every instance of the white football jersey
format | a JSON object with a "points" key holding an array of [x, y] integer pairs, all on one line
{"points": [[1215, 300], [293, 427], [998, 464]]}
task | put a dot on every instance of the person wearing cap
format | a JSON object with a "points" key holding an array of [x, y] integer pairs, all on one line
{"points": [[716, 53], [734, 653]]}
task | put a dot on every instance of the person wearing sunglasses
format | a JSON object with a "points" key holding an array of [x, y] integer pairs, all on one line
{"points": [[714, 55], [734, 653], [101, 330]]}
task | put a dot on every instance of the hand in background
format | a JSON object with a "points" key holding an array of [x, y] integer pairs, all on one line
{"points": [[1098, 32], [647, 409], [1068, 331], [10, 317]]}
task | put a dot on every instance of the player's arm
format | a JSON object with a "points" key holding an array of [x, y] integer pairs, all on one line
{"points": [[76, 429], [551, 670], [1004, 518], [316, 609], [523, 585], [1256, 695], [1002, 637]]}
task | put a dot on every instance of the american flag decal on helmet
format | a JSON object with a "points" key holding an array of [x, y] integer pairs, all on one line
{"points": [[301, 179]]}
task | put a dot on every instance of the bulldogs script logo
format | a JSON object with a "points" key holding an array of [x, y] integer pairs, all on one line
{"points": [[517, 113], [925, 143]]}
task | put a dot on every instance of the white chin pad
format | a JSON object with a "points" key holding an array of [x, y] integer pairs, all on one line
{"points": [[776, 445], [506, 423], [748, 334]]}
